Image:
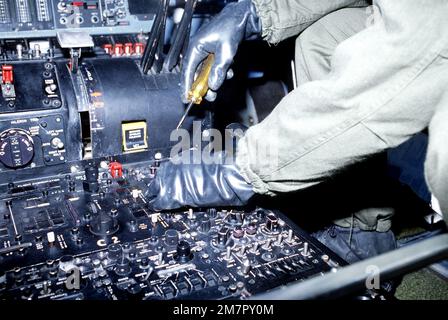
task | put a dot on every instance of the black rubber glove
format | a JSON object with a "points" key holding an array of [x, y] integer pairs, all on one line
{"points": [[216, 183], [221, 36]]}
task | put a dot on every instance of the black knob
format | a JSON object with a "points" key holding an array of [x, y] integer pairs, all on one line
{"points": [[223, 236], [205, 224], [103, 225], [171, 237], [114, 251], [144, 263], [260, 214], [71, 186], [74, 232], [114, 214], [251, 229], [18, 275], [18, 272], [16, 148], [212, 213], [123, 267], [183, 252], [91, 172], [90, 184], [153, 240], [235, 218], [87, 216], [238, 232], [272, 223], [133, 226], [127, 246], [134, 289], [50, 263]]}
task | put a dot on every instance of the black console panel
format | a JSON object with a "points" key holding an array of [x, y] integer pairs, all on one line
{"points": [[79, 237]]}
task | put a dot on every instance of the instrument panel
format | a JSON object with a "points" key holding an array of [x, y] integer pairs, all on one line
{"points": [[70, 238], [44, 18]]}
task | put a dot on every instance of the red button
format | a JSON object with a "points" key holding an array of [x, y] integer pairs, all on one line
{"points": [[118, 49], [138, 48], [7, 74], [108, 48], [128, 49], [116, 169]]}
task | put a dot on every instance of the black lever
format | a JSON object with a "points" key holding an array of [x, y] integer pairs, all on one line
{"points": [[158, 58], [181, 38], [155, 43]]}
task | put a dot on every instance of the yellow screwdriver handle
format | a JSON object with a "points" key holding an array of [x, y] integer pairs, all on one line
{"points": [[200, 85]]}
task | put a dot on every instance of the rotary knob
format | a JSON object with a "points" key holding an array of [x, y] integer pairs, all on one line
{"points": [[16, 148], [114, 251], [223, 236], [183, 252], [171, 237], [212, 213], [205, 224], [104, 225], [123, 267]]}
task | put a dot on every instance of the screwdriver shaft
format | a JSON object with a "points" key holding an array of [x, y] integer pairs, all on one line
{"points": [[185, 115]]}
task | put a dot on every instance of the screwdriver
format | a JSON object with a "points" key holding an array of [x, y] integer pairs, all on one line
{"points": [[199, 88]]}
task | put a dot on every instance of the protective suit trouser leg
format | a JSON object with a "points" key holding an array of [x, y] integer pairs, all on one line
{"points": [[314, 50], [436, 166]]}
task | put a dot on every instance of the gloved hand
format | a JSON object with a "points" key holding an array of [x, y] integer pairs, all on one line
{"points": [[221, 36], [215, 183]]}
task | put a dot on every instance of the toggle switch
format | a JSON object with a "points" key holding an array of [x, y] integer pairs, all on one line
{"points": [[57, 143]]}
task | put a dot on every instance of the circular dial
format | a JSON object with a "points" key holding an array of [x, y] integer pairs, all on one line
{"points": [[104, 225], [16, 148]]}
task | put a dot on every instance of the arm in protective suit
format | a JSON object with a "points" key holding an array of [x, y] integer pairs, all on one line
{"points": [[384, 86]]}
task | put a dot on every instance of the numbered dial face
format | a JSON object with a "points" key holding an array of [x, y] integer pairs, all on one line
{"points": [[16, 148]]}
